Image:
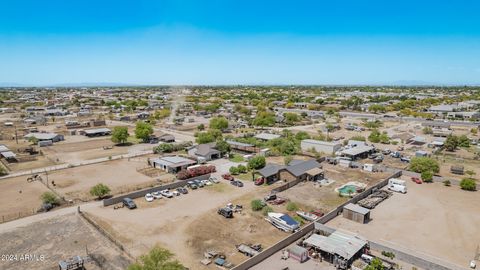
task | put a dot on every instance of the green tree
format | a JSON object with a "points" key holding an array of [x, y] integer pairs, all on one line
{"points": [[451, 143], [427, 176], [257, 205], [287, 159], [291, 118], [205, 137], [468, 184], [223, 147], [423, 164], [157, 259], [264, 119], [463, 141], [120, 135], [376, 264], [257, 162], [201, 127], [143, 131], [220, 123], [99, 190], [49, 197]]}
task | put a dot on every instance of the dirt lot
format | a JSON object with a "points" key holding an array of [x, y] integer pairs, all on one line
{"points": [[75, 149], [120, 175], [19, 198], [189, 225], [431, 219], [59, 239], [310, 196]]}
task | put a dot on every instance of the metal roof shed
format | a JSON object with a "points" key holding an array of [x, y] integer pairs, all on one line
{"points": [[338, 243], [356, 213]]}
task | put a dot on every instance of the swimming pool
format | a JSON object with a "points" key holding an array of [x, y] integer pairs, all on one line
{"points": [[350, 188]]}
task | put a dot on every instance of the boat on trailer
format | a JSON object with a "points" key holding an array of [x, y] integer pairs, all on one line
{"points": [[307, 216], [283, 222]]}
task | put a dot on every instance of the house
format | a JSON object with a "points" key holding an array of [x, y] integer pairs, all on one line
{"points": [[442, 109], [204, 151], [53, 137], [172, 164], [320, 146], [296, 170], [436, 124], [95, 132]]}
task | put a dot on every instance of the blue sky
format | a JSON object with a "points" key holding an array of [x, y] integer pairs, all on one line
{"points": [[239, 42]]}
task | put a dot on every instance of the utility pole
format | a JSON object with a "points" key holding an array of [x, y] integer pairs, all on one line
{"points": [[16, 135]]}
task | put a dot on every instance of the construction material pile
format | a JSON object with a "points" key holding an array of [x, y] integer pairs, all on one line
{"points": [[374, 199]]}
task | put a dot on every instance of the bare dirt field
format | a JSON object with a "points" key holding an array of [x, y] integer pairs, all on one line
{"points": [[19, 198], [59, 239], [312, 196], [189, 225], [76, 150], [120, 175], [430, 219]]}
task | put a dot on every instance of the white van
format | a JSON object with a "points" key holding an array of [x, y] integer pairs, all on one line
{"points": [[397, 188], [395, 181]]}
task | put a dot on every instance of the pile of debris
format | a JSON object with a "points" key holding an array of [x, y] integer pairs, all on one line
{"points": [[374, 199], [249, 249], [218, 259]]}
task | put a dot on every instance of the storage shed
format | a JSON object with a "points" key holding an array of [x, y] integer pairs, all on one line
{"points": [[356, 213], [298, 253]]}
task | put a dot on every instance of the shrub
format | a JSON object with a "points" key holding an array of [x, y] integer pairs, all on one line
{"points": [[99, 190], [388, 254], [468, 184], [427, 176], [447, 183], [291, 206], [234, 170], [266, 210], [49, 197], [242, 169], [257, 205]]}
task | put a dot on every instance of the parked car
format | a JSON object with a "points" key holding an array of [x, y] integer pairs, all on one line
{"points": [[395, 154], [378, 159], [149, 197], [405, 159], [270, 197], [259, 181], [175, 193], [166, 193], [227, 176], [226, 212], [157, 195], [416, 180], [213, 179], [206, 182], [199, 183], [278, 201], [129, 203], [182, 190], [237, 183], [192, 185], [387, 152]]}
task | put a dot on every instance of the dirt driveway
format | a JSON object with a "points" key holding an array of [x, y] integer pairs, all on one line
{"points": [[187, 224]]}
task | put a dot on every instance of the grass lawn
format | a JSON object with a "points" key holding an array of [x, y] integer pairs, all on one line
{"points": [[244, 176], [236, 158]]}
